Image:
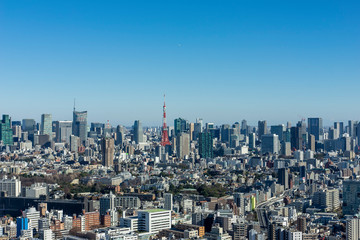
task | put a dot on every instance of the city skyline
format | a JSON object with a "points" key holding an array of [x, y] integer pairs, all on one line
{"points": [[326, 122], [222, 62]]}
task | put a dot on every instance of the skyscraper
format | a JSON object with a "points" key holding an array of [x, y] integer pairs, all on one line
{"points": [[168, 197], [181, 125], [278, 130], [206, 145], [225, 133], [107, 150], [315, 127], [353, 229], [244, 128], [182, 145], [79, 127], [138, 132], [296, 138], [252, 142], [22, 223], [29, 126], [270, 144], [6, 133], [352, 127], [351, 200], [63, 131], [311, 142], [262, 128], [46, 125], [120, 134], [283, 177]]}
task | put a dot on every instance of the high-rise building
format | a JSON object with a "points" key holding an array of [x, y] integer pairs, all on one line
{"points": [[327, 199], [12, 187], [244, 128], [168, 197], [107, 202], [79, 127], [252, 140], [206, 145], [22, 223], [197, 130], [239, 200], [296, 138], [283, 177], [6, 133], [351, 128], [301, 224], [74, 143], [225, 133], [33, 215], [351, 200], [154, 220], [182, 145], [138, 132], [311, 142], [181, 125], [107, 150], [278, 130], [28, 125], [63, 130], [46, 125], [270, 144], [353, 229], [191, 131], [315, 127], [120, 135], [262, 128]]}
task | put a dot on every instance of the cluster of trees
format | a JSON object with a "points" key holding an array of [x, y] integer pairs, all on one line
{"points": [[216, 190]]}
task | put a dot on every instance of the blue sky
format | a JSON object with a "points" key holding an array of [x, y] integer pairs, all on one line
{"points": [[223, 61]]}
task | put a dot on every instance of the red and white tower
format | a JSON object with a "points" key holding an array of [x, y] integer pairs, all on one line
{"points": [[164, 135]]}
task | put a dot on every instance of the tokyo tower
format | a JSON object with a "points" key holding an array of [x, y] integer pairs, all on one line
{"points": [[164, 135]]}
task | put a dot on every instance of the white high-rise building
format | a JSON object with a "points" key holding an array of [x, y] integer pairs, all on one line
{"points": [[47, 234], [353, 229], [295, 236], [33, 217], [11, 186], [154, 220], [168, 201]]}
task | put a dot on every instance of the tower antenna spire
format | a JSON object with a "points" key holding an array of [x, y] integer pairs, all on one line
{"points": [[74, 104], [164, 135]]}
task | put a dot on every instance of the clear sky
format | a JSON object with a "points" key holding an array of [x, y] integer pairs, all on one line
{"points": [[223, 61]]}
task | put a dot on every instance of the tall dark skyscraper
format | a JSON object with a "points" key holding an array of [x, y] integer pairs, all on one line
{"points": [[315, 127], [138, 132], [180, 125], [296, 138], [262, 128], [225, 133], [206, 145], [283, 177], [79, 127], [6, 133]]}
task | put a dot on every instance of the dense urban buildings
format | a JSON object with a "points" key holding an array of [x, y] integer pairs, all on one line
{"points": [[67, 180]]}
